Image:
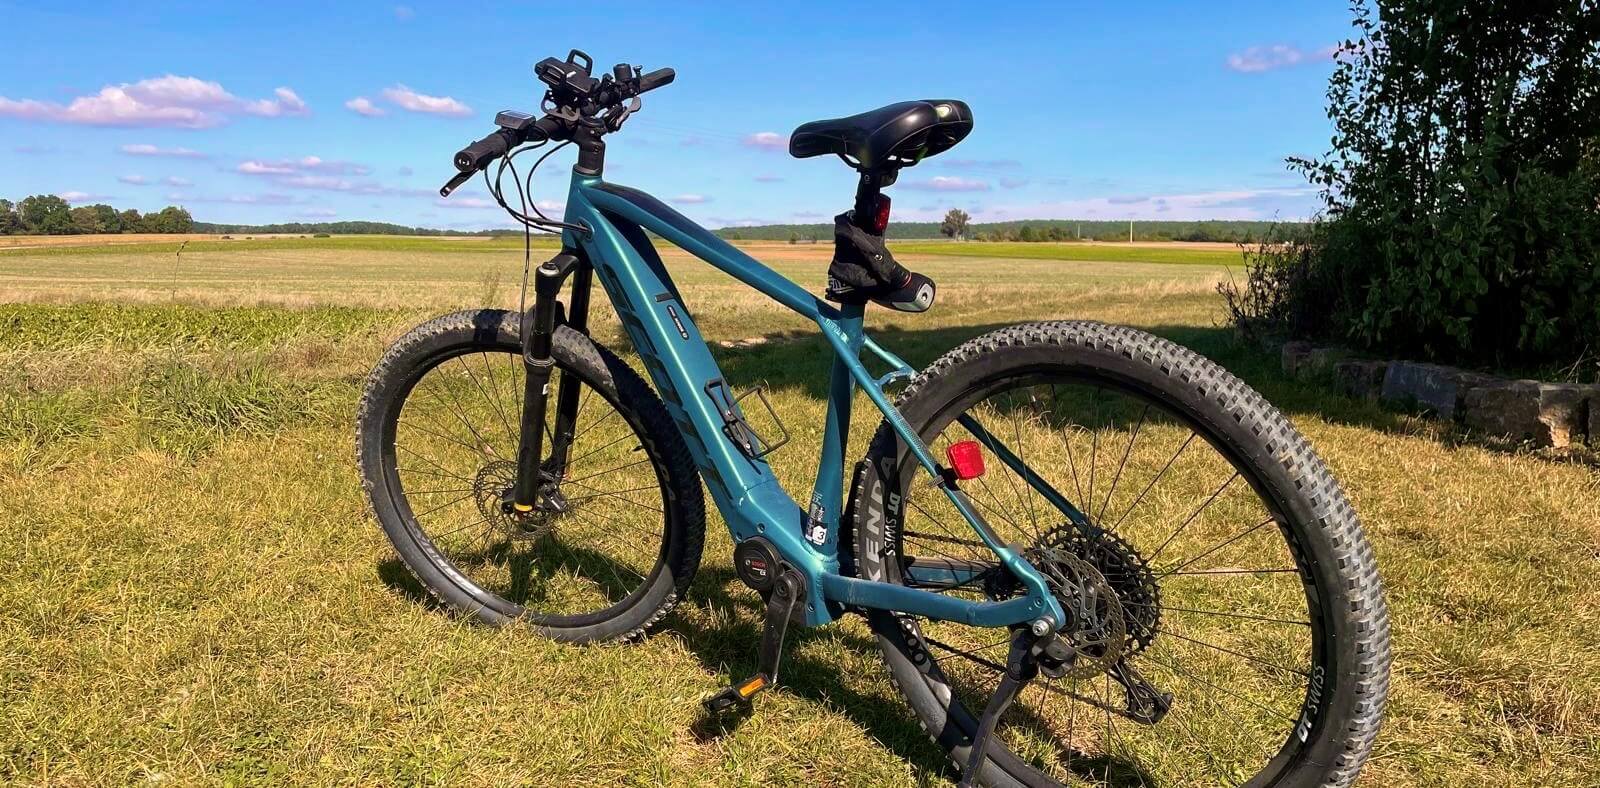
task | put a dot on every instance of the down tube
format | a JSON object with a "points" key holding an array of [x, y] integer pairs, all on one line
{"points": [[674, 353]]}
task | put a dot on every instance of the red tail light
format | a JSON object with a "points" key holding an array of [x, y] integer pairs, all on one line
{"points": [[966, 459], [880, 220]]}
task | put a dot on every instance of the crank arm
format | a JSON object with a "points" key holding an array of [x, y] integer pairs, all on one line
{"points": [[781, 602]]}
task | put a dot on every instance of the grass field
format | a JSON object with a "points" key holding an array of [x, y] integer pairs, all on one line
{"points": [[193, 592]]}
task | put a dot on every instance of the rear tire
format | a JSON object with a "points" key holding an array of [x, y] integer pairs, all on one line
{"points": [[1346, 689], [666, 463]]}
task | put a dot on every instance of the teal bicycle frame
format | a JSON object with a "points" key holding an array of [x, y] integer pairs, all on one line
{"points": [[743, 487]]}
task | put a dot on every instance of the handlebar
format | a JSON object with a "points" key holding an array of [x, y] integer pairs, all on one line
{"points": [[657, 78], [576, 98], [498, 143]]}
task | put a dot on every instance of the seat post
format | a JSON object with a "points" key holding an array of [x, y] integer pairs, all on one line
{"points": [[867, 191]]}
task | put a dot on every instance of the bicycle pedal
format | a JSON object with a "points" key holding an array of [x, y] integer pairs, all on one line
{"points": [[736, 696]]}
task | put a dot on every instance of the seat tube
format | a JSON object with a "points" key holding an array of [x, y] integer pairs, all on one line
{"points": [[827, 497]]}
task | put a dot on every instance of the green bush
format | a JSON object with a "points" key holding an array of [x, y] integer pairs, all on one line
{"points": [[1462, 191]]}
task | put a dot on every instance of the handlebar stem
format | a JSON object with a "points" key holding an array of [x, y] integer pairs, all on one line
{"points": [[589, 137]]}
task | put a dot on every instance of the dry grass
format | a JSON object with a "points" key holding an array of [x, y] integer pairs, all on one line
{"points": [[193, 592]]}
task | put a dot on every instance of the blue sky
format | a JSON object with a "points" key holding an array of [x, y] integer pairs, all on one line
{"points": [[262, 112]]}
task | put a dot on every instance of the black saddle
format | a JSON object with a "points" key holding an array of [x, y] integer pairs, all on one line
{"points": [[891, 137]]}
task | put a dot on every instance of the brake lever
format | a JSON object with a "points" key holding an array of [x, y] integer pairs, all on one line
{"points": [[455, 183], [614, 122]]}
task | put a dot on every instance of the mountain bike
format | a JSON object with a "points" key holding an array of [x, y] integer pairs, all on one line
{"points": [[1087, 554]]}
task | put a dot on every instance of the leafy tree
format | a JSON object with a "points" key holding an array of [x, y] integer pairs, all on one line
{"points": [[45, 214], [1029, 233], [171, 219], [110, 220], [955, 224], [10, 223], [86, 220], [130, 221], [1462, 189]]}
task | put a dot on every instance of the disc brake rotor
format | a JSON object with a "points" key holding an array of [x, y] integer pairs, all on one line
{"points": [[1098, 629], [489, 491]]}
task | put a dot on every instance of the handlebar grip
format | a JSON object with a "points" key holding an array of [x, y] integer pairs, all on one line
{"points": [[476, 156], [657, 78]]}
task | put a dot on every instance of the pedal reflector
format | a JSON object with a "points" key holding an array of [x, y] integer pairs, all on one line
{"points": [[966, 459], [752, 685]]}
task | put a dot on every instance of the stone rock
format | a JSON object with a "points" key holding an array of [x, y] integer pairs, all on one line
{"points": [[1594, 416], [1294, 353], [1433, 387], [1320, 362], [1359, 379], [1545, 414]]}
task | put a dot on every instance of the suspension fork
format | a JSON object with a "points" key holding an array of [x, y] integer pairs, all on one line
{"points": [[567, 391], [537, 338]]}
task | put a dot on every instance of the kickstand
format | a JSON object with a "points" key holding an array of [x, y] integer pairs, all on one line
{"points": [[1021, 668], [781, 602]]}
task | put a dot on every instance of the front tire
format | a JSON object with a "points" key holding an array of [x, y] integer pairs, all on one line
{"points": [[610, 561], [1327, 727]]}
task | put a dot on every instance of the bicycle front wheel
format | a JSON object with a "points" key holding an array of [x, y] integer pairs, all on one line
{"points": [[615, 538], [1228, 622]]}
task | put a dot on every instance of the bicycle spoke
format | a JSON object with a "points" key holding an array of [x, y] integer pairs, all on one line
{"points": [[1240, 654], [488, 369], [492, 402], [1016, 430], [1221, 613], [1152, 484], [1252, 529], [1157, 553], [1233, 572], [1132, 437]]}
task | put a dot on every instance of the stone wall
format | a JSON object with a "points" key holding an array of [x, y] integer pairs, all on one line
{"points": [[1543, 414]]}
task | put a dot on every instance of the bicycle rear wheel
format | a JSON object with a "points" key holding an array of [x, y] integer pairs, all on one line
{"points": [[1214, 560], [610, 547]]}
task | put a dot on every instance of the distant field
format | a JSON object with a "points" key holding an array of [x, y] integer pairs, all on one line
{"points": [[194, 594], [74, 245], [1146, 252]]}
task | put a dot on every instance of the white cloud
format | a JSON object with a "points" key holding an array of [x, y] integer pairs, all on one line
{"points": [[768, 179], [268, 198], [767, 140], [306, 164], [153, 150], [361, 105], [1257, 59], [286, 103], [172, 101], [173, 180], [466, 203], [133, 180], [317, 213], [81, 196], [691, 199], [948, 183], [1289, 203], [980, 164], [412, 101], [404, 13]]}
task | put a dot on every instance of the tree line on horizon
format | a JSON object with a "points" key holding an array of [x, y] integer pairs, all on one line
{"points": [[47, 214], [1028, 230]]}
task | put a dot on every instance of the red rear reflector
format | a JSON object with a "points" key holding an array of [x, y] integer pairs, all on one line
{"points": [[966, 459], [880, 221]]}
